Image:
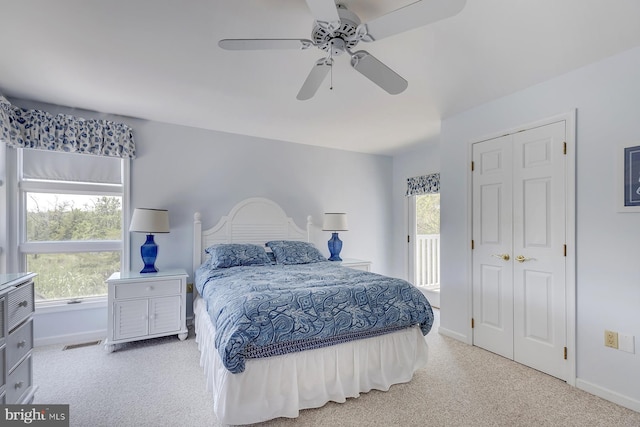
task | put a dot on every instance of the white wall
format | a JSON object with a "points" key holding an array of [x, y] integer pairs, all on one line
{"points": [[606, 96], [186, 170]]}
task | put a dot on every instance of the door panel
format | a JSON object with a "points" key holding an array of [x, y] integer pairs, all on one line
{"points": [[537, 294], [490, 306]]}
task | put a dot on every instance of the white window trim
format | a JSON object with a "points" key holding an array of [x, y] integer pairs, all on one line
{"points": [[17, 223], [57, 306]]}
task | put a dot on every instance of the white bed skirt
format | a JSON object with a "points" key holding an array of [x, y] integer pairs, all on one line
{"points": [[281, 386]]}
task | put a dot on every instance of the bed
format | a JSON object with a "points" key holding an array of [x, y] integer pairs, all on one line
{"points": [[262, 377]]}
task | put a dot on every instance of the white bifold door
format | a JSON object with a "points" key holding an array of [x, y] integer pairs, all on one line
{"points": [[519, 247]]}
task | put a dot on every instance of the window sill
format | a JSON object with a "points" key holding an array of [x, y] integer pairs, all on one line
{"points": [[44, 307]]}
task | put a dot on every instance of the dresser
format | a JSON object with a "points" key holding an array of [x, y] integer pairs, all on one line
{"points": [[146, 305], [16, 338]]}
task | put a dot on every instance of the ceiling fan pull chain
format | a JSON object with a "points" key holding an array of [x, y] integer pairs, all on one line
{"points": [[331, 65], [331, 70]]}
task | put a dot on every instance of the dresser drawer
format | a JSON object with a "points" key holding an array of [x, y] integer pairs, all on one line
{"points": [[3, 377], [2, 298], [20, 304], [19, 381], [147, 289], [19, 343]]}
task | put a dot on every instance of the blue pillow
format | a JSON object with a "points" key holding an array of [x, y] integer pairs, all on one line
{"points": [[293, 252], [225, 255]]}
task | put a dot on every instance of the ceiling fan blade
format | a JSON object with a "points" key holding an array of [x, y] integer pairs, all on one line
{"points": [[377, 72], [314, 79], [324, 10], [263, 44], [412, 16]]}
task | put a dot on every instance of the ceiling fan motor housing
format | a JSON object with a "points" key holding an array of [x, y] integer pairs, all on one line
{"points": [[338, 40]]}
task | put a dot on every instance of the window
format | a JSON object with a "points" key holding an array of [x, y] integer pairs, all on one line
{"points": [[70, 215]]}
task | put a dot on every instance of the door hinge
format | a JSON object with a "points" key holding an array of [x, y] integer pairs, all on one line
{"points": [[565, 250], [408, 238], [473, 325], [473, 166], [565, 353], [564, 150], [472, 245]]}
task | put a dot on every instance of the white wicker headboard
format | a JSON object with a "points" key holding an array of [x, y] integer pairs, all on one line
{"points": [[255, 220]]}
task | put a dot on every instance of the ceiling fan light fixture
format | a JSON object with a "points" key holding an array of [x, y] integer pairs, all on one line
{"points": [[337, 30]]}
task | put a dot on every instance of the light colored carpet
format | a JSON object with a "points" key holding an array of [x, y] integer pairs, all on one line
{"points": [[160, 383]]}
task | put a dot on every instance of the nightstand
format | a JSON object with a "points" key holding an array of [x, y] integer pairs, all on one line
{"points": [[356, 264], [143, 306]]}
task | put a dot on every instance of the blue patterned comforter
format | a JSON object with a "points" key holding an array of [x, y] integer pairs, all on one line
{"points": [[261, 311]]}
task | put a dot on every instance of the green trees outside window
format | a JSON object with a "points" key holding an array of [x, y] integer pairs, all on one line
{"points": [[428, 214], [64, 218]]}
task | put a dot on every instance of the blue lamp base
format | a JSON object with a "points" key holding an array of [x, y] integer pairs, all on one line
{"points": [[149, 252], [335, 246]]}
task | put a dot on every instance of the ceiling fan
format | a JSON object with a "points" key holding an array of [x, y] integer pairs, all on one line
{"points": [[337, 30]]}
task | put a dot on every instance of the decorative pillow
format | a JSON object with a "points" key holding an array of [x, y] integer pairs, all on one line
{"points": [[225, 255], [294, 252]]}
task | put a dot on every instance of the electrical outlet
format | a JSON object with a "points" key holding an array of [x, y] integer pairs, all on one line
{"points": [[611, 339], [189, 288]]}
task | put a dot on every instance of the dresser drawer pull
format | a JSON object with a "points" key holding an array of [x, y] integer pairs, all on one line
{"points": [[22, 344], [149, 288], [19, 384], [23, 303]]}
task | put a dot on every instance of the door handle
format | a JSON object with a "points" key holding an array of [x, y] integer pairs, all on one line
{"points": [[522, 258], [503, 256]]}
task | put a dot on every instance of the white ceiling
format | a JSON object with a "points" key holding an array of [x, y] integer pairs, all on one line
{"points": [[159, 60]]}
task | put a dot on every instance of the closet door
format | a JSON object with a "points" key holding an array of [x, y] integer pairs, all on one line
{"points": [[519, 305], [539, 237], [493, 241]]}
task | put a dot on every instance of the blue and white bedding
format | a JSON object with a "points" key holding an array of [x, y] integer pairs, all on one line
{"points": [[265, 310]]}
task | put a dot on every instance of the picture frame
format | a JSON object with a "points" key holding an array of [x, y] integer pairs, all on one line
{"points": [[628, 185]]}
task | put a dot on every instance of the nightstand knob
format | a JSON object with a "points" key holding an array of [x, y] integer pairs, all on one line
{"points": [[22, 344], [149, 288], [19, 384], [23, 304]]}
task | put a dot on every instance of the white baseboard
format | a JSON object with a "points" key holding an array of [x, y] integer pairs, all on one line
{"points": [[71, 338], [609, 395], [453, 334]]}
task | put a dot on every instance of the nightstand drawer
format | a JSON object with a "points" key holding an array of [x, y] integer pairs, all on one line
{"points": [[148, 289], [20, 304], [19, 381], [19, 343]]}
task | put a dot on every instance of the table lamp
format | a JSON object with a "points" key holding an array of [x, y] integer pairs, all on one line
{"points": [[149, 221], [335, 222]]}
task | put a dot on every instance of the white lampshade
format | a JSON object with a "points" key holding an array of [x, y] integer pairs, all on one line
{"points": [[335, 222], [150, 221]]}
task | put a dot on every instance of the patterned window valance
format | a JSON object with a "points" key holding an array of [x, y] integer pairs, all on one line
{"points": [[22, 128], [426, 184]]}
